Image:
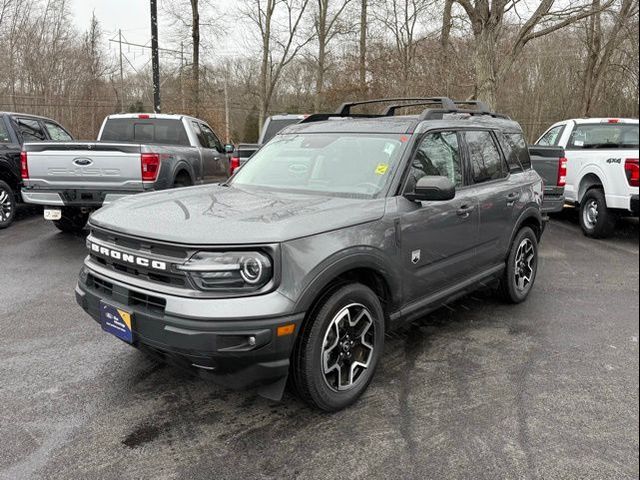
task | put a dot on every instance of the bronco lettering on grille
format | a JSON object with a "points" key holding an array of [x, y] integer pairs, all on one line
{"points": [[127, 257]]}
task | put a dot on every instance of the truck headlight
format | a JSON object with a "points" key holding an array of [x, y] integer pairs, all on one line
{"points": [[229, 271]]}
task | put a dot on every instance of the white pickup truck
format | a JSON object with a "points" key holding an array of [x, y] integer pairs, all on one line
{"points": [[602, 169]]}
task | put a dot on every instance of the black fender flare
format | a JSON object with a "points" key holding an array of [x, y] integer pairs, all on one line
{"points": [[180, 167], [361, 257], [530, 212]]}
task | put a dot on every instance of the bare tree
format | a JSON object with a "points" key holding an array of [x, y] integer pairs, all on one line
{"points": [[327, 25], [279, 23], [487, 21], [195, 66], [602, 42], [362, 60]]}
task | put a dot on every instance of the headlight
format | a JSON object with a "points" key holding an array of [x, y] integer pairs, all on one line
{"points": [[229, 271]]}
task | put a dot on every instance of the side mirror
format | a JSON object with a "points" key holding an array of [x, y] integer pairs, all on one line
{"points": [[228, 148], [432, 188]]}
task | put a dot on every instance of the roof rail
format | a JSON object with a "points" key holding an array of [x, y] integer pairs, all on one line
{"points": [[345, 108], [391, 109]]}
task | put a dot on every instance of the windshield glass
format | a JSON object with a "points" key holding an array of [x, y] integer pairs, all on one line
{"points": [[336, 164]]}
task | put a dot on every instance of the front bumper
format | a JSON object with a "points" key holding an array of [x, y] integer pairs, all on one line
{"points": [[218, 348], [71, 198]]}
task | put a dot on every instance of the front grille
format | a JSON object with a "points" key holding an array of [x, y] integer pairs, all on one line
{"points": [[177, 279], [108, 290]]}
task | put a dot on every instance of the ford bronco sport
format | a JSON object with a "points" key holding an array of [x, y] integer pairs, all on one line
{"points": [[341, 228]]}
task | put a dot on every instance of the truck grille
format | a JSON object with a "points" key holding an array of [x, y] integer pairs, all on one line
{"points": [[125, 296]]}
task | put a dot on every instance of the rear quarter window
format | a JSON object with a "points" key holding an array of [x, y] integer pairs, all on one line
{"points": [[516, 151], [4, 132]]}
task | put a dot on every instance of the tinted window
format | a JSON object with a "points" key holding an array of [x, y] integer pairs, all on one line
{"points": [[211, 138], [56, 132], [604, 135], [517, 152], [31, 130], [275, 126], [4, 133], [486, 161], [351, 165], [134, 130], [438, 154], [552, 137]]}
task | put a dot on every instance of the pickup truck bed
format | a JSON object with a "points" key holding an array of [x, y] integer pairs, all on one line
{"points": [[548, 162]]}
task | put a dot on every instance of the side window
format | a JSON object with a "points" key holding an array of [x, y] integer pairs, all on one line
{"points": [[57, 133], [438, 154], [517, 152], [485, 158], [552, 137], [4, 133], [211, 137], [31, 130], [200, 135]]}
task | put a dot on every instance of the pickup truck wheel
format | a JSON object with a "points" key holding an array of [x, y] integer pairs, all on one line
{"points": [[338, 351], [522, 267], [7, 205], [73, 220], [596, 220]]}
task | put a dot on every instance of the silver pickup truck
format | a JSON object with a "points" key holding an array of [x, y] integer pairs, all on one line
{"points": [[134, 153]]}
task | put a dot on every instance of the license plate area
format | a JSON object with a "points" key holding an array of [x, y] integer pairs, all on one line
{"points": [[117, 322], [52, 214]]}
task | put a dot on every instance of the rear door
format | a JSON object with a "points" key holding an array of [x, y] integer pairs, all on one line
{"points": [[497, 193], [438, 238]]}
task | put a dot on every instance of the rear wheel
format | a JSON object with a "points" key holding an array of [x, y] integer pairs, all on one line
{"points": [[73, 220], [339, 348], [522, 267], [182, 180], [7, 205], [596, 220]]}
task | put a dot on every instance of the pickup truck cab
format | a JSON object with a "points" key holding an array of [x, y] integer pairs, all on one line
{"points": [[340, 228], [134, 153], [602, 169], [15, 129]]}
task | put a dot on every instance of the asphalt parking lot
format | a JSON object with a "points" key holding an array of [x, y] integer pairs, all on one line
{"points": [[546, 389]]}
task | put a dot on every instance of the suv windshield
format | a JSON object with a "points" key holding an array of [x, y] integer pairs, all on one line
{"points": [[336, 164]]}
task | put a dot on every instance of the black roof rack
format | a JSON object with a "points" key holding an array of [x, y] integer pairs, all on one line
{"points": [[446, 106]]}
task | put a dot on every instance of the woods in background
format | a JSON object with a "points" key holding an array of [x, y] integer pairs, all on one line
{"points": [[536, 61]]}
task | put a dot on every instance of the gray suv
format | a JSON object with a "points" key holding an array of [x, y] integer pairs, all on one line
{"points": [[340, 229]]}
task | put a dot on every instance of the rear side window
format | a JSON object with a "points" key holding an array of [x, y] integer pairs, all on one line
{"points": [[604, 136], [517, 152], [4, 133], [160, 131], [31, 130], [486, 161], [57, 133], [552, 137]]}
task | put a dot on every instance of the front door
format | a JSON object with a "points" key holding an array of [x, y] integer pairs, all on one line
{"points": [[437, 238], [217, 169]]}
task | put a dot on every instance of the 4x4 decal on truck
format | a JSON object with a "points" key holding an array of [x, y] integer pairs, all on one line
{"points": [[614, 160]]}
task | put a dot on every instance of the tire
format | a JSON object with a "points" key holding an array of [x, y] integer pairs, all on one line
{"points": [[596, 220], [521, 270], [73, 220], [333, 389], [8, 205], [182, 180]]}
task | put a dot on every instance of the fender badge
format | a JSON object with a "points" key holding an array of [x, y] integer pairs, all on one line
{"points": [[415, 256]]}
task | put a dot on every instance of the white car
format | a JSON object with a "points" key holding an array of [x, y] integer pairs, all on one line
{"points": [[602, 169]]}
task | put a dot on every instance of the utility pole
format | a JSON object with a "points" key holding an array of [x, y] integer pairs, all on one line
{"points": [[182, 75], [121, 73], [226, 109], [155, 60]]}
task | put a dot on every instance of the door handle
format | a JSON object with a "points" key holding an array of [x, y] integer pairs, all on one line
{"points": [[512, 197], [465, 210]]}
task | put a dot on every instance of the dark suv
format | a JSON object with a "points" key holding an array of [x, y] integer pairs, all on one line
{"points": [[341, 228]]}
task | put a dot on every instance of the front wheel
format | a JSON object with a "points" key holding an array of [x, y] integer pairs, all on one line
{"points": [[7, 205], [522, 267], [339, 349], [73, 220], [596, 220]]}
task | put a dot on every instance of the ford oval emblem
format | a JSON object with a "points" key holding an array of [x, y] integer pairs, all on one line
{"points": [[83, 162]]}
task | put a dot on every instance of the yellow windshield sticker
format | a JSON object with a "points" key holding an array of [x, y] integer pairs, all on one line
{"points": [[382, 168]]}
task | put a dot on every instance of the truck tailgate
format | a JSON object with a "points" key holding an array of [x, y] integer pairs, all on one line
{"points": [[546, 161], [84, 165]]}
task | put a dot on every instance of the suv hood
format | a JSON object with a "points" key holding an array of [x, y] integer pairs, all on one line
{"points": [[215, 215]]}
